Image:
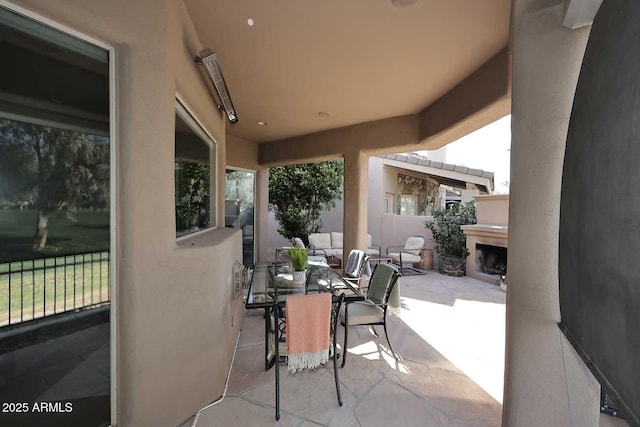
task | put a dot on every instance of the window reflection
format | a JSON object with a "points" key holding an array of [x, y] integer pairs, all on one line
{"points": [[239, 209], [193, 161], [55, 255]]}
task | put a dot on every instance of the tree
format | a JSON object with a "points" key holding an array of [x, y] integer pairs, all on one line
{"points": [[299, 193], [52, 169]]}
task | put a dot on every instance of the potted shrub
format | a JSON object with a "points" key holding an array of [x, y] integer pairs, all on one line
{"points": [[299, 257], [451, 243]]}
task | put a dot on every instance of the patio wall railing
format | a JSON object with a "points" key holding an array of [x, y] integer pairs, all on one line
{"points": [[38, 288]]}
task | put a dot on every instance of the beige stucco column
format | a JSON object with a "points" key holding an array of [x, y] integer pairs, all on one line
{"points": [[356, 175], [546, 384], [261, 228]]}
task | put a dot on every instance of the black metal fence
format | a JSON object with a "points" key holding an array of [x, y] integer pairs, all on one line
{"points": [[43, 287]]}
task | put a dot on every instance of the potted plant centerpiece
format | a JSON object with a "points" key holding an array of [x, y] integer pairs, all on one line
{"points": [[451, 243], [299, 258]]}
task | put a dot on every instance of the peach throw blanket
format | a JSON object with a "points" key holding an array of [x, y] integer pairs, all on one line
{"points": [[307, 330]]}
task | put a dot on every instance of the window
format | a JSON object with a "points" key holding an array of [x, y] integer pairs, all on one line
{"points": [[55, 223], [388, 203], [408, 205], [195, 187]]}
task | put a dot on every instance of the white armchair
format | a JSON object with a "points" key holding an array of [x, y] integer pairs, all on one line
{"points": [[410, 253]]}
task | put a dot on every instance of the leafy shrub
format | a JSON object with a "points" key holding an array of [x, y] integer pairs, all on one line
{"points": [[445, 228]]}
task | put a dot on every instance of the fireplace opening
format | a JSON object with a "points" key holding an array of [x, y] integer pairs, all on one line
{"points": [[491, 259]]}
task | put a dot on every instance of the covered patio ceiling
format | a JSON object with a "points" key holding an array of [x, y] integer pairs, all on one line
{"points": [[305, 67]]}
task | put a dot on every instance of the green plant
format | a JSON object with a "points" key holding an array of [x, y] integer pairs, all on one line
{"points": [[299, 257], [446, 231], [299, 193]]}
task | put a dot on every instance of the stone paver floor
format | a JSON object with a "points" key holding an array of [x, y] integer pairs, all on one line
{"points": [[449, 335]]}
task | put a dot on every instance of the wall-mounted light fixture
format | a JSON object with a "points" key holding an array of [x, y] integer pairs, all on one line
{"points": [[210, 62]]}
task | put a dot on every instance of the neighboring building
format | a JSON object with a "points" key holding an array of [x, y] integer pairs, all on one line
{"points": [[424, 185], [403, 190]]}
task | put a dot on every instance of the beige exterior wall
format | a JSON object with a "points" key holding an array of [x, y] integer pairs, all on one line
{"points": [[396, 229], [243, 154], [377, 183], [546, 383], [177, 315], [261, 231]]}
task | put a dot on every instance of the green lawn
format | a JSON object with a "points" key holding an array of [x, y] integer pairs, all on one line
{"points": [[44, 287], [40, 282], [89, 233]]}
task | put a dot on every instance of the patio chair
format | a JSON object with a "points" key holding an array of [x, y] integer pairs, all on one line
{"points": [[410, 253], [356, 263], [382, 293], [311, 323]]}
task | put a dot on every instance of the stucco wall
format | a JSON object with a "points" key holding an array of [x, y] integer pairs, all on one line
{"points": [[241, 153], [546, 383], [375, 206], [177, 315], [396, 229]]}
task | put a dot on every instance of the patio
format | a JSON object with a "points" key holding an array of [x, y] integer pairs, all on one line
{"points": [[450, 336]]}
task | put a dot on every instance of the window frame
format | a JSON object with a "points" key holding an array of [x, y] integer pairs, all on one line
{"points": [[113, 56], [195, 124]]}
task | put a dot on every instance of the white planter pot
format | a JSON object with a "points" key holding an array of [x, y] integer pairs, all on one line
{"points": [[299, 277]]}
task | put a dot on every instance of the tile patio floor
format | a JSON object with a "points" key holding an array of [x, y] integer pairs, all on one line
{"points": [[450, 336]]}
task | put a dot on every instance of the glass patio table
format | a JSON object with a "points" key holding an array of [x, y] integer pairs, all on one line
{"points": [[270, 286]]}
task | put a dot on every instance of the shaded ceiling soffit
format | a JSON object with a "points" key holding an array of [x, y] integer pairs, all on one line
{"points": [[478, 100], [486, 90], [390, 134]]}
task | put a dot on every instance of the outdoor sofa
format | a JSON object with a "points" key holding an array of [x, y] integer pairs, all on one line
{"points": [[330, 244]]}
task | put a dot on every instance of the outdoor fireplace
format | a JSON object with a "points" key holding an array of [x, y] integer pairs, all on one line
{"points": [[487, 240], [491, 259]]}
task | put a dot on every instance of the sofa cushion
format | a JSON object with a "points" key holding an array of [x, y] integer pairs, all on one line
{"points": [[320, 240], [414, 245], [298, 243], [336, 240]]}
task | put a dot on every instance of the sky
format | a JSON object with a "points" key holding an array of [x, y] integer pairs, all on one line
{"points": [[488, 149]]}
